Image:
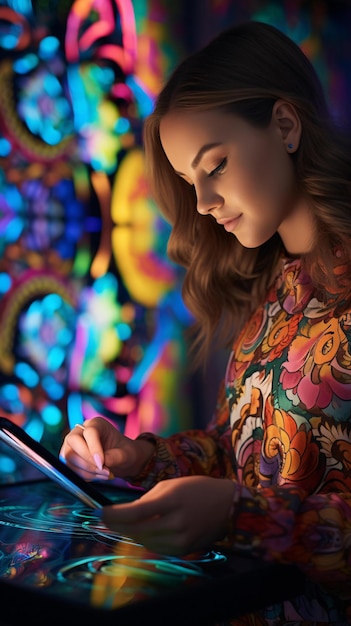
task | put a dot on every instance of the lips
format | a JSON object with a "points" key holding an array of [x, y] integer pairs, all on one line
{"points": [[229, 224]]}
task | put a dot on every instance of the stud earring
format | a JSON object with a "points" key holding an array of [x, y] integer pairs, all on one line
{"points": [[290, 146]]}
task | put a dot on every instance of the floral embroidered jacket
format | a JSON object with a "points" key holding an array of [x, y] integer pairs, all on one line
{"points": [[282, 431]]}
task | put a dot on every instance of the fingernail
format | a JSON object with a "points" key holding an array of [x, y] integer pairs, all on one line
{"points": [[98, 461], [106, 474]]}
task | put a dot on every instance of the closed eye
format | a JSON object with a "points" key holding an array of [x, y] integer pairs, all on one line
{"points": [[219, 169]]}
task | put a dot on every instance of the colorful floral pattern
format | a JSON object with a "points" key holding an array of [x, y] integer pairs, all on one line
{"points": [[282, 432]]}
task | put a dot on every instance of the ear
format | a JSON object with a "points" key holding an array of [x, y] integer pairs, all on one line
{"points": [[288, 124]]}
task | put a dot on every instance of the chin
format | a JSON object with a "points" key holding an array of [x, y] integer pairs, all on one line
{"points": [[255, 236], [252, 243]]}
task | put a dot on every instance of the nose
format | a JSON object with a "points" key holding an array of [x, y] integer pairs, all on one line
{"points": [[207, 202]]}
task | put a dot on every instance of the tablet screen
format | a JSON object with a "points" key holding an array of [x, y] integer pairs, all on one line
{"points": [[58, 559]]}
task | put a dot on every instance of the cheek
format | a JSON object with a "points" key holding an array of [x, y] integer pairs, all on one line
{"points": [[256, 164], [255, 177], [271, 174]]}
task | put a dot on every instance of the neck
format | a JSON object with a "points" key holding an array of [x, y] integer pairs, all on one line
{"points": [[298, 229]]}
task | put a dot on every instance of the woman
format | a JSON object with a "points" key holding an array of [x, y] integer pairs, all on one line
{"points": [[248, 166]]}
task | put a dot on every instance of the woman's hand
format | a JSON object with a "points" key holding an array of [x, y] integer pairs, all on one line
{"points": [[98, 449], [177, 516]]}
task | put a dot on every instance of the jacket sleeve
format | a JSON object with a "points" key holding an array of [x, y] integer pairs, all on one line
{"points": [[205, 452], [286, 525]]}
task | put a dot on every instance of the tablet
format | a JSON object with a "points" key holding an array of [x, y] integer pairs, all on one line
{"points": [[60, 564], [50, 465]]}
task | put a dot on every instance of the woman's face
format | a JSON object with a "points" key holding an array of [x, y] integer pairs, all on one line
{"points": [[243, 176]]}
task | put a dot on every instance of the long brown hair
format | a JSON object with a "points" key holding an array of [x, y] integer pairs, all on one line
{"points": [[245, 70]]}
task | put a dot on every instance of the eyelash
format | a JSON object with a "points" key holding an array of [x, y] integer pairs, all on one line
{"points": [[219, 169]]}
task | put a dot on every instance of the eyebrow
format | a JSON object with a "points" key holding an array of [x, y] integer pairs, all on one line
{"points": [[196, 160]]}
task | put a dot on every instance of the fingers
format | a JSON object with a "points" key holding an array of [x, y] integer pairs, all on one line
{"points": [[134, 520], [93, 443], [142, 522], [140, 516], [175, 516], [83, 452], [130, 513], [97, 445], [87, 473]]}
